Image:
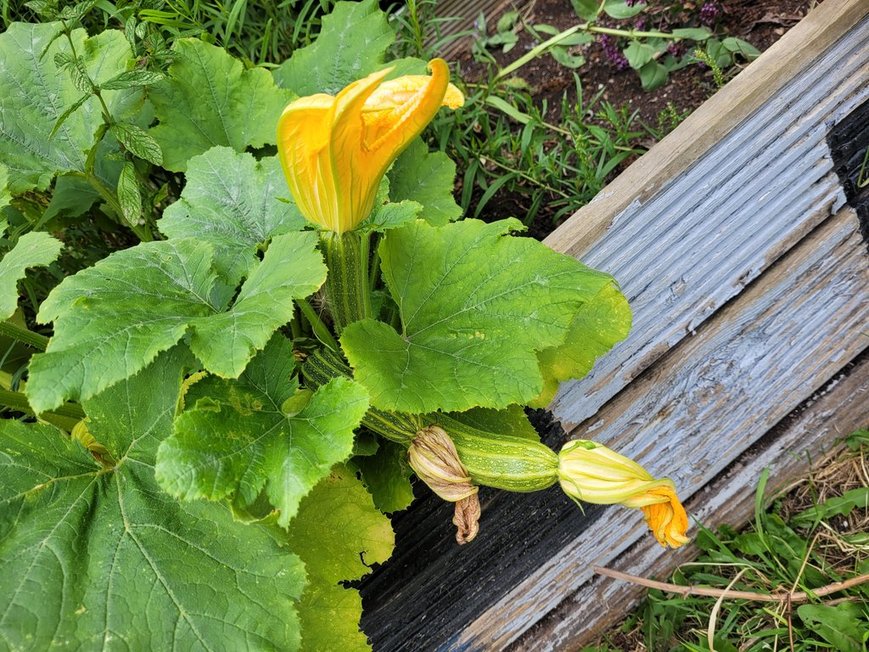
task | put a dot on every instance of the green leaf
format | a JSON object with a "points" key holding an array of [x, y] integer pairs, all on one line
{"points": [[132, 78], [338, 533], [475, 306], [232, 201], [511, 421], [692, 33], [842, 625], [34, 249], [209, 99], [138, 141], [387, 476], [638, 54], [71, 197], [391, 215], [129, 195], [427, 178], [237, 441], [586, 9], [93, 557], [292, 268], [738, 46], [653, 75], [596, 328], [619, 9], [72, 108], [352, 43], [508, 109], [113, 318], [36, 94], [838, 505], [565, 58]]}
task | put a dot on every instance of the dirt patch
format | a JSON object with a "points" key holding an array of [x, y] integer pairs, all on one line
{"points": [[759, 22]]}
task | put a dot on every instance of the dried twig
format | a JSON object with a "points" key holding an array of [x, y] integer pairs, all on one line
{"points": [[781, 596]]}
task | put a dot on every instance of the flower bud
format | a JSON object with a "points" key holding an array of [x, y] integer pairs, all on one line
{"points": [[593, 473]]}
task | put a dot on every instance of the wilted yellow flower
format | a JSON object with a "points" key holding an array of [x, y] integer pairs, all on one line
{"points": [[667, 520], [335, 150], [593, 473]]}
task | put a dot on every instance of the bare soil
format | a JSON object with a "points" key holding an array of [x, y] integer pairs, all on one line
{"points": [[760, 22]]}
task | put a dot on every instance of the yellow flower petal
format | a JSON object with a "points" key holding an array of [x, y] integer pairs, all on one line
{"points": [[303, 143], [667, 520], [335, 150]]}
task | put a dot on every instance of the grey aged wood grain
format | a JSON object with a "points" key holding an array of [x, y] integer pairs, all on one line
{"points": [[711, 398], [842, 408], [690, 248]]}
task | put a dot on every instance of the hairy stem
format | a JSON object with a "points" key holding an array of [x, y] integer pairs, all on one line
{"points": [[66, 416], [20, 334], [347, 287]]}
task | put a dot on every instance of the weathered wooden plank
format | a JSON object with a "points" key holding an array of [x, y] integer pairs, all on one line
{"points": [[841, 408], [710, 399], [690, 248]]}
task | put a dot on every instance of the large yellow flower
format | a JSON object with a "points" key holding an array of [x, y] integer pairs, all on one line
{"points": [[593, 473], [335, 150]]}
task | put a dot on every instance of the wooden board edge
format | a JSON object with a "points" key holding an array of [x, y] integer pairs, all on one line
{"points": [[834, 412], [713, 120]]}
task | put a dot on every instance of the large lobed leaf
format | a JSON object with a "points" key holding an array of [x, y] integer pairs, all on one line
{"points": [[599, 325], [209, 99], [36, 93], [232, 201], [426, 178], [95, 556], [340, 517], [476, 307], [260, 433], [112, 319], [352, 43]]}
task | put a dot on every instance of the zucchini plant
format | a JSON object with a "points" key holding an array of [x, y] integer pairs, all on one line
{"points": [[224, 412]]}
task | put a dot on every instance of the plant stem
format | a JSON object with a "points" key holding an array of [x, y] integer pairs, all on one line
{"points": [[347, 286], [66, 416], [320, 329], [28, 337], [777, 596], [632, 33], [539, 49]]}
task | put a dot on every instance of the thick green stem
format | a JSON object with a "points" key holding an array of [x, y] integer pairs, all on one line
{"points": [[28, 337], [347, 286], [66, 416]]}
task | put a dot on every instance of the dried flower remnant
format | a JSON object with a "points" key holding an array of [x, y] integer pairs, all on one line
{"points": [[433, 456]]}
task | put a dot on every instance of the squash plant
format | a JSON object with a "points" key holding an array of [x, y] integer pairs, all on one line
{"points": [[225, 412]]}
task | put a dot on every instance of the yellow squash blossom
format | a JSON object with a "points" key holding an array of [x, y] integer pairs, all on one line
{"points": [[593, 473], [335, 150]]}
